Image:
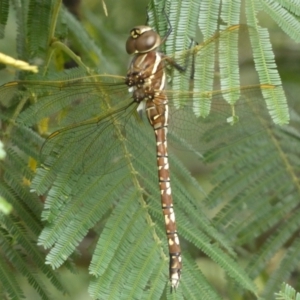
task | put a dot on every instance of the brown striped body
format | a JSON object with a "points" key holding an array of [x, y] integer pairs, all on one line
{"points": [[146, 77]]}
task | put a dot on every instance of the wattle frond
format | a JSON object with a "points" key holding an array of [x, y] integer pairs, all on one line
{"points": [[287, 293]]}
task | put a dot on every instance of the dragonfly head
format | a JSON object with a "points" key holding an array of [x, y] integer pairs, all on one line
{"points": [[142, 39]]}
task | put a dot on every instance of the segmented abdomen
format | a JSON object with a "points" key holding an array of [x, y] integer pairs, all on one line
{"points": [[157, 112]]}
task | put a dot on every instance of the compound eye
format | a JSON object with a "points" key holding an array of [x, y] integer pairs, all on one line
{"points": [[142, 40]]}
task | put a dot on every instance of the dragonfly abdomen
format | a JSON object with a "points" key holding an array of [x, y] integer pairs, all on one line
{"points": [[157, 112]]}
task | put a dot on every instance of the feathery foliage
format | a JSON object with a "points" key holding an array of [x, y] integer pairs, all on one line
{"points": [[287, 293], [99, 179]]}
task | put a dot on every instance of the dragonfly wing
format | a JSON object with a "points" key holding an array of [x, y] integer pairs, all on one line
{"points": [[94, 113], [225, 124], [95, 147], [68, 101], [222, 62]]}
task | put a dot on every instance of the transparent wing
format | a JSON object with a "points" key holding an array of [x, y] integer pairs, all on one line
{"points": [[94, 112], [96, 120], [221, 63], [209, 108], [90, 116], [96, 147], [66, 102], [226, 123]]}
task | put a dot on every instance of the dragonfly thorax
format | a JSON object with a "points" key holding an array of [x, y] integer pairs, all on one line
{"points": [[142, 39], [146, 76], [140, 94]]}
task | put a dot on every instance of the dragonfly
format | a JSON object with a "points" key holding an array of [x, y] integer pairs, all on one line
{"points": [[111, 101]]}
